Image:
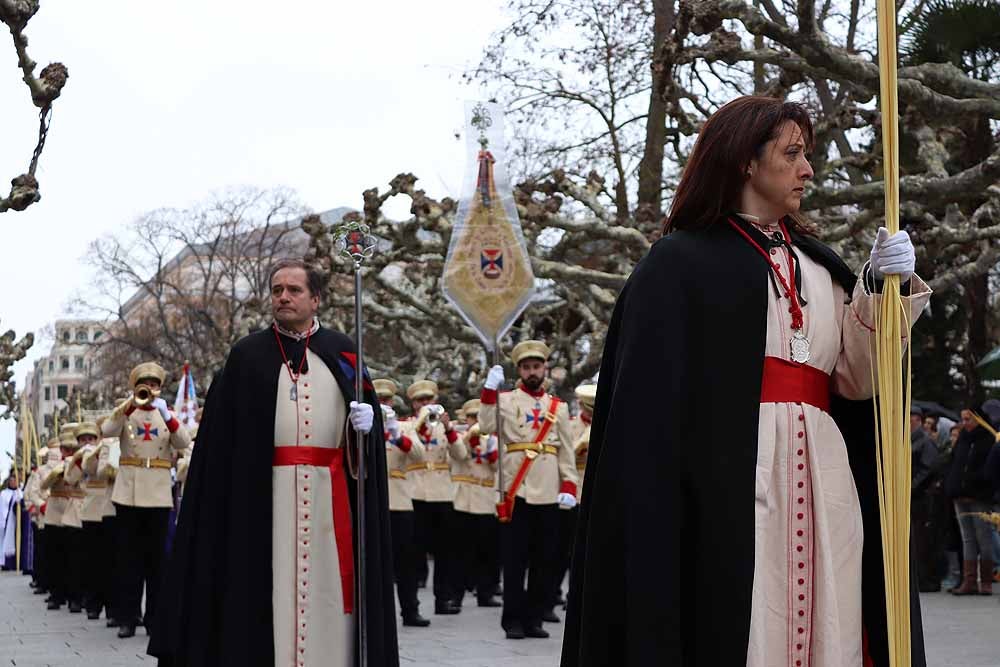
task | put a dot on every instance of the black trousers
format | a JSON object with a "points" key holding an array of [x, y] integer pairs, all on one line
{"points": [[529, 544], [564, 551], [142, 533], [405, 555], [478, 552], [38, 563], [435, 534], [97, 554], [65, 564]]}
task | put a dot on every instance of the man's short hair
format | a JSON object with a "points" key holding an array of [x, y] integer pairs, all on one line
{"points": [[314, 279]]}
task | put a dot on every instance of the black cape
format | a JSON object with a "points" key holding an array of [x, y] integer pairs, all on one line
{"points": [[663, 564], [215, 599]]}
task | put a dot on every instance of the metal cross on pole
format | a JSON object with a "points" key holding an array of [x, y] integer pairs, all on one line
{"points": [[357, 245]]}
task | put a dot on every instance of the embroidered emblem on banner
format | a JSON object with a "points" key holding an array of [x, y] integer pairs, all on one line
{"points": [[491, 263]]}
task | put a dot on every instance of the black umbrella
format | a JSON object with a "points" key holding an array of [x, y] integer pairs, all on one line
{"points": [[936, 410], [992, 410], [989, 366]]}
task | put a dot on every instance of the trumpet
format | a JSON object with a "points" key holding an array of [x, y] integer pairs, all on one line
{"points": [[434, 413], [144, 395]]}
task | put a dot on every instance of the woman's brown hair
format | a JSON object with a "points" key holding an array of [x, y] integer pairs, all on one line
{"points": [[714, 176]]}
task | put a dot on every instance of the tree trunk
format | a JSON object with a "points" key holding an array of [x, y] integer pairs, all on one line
{"points": [[651, 166], [976, 297]]}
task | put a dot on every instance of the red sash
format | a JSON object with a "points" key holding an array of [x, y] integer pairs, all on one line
{"points": [[788, 382], [505, 508], [332, 458]]}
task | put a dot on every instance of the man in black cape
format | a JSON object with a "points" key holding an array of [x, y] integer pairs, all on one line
{"points": [[664, 559], [216, 601]]}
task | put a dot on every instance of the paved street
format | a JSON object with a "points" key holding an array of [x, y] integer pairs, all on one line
{"points": [[961, 632]]}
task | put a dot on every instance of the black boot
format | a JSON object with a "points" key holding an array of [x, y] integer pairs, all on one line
{"points": [[415, 620], [40, 590], [489, 601], [535, 632], [126, 631], [54, 604], [446, 607], [515, 631], [112, 623], [549, 616], [75, 607], [93, 615]]}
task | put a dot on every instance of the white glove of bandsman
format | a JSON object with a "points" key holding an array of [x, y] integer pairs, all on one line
{"points": [[567, 501], [893, 255], [494, 378], [161, 405], [362, 417], [391, 422]]}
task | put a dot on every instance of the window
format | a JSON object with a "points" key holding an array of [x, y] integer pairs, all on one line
{"points": [[64, 363], [97, 334], [81, 335], [78, 363], [62, 391], [48, 393], [52, 365]]}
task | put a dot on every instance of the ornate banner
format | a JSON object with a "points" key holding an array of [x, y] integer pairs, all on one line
{"points": [[487, 274]]}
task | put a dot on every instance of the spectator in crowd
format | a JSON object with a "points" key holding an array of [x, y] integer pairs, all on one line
{"points": [[924, 456], [10, 498], [930, 426], [993, 475], [972, 492], [945, 439], [951, 536]]}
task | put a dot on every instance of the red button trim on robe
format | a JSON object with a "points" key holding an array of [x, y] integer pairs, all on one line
{"points": [[334, 460]]}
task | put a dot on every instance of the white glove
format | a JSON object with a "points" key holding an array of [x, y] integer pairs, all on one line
{"points": [[392, 424], [161, 405], [494, 378], [491, 444], [362, 417], [892, 255], [566, 501]]}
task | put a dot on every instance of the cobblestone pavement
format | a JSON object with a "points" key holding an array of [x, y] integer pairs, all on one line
{"points": [[960, 632]]}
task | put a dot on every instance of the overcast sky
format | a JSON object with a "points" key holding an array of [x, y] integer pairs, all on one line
{"points": [[167, 102]]}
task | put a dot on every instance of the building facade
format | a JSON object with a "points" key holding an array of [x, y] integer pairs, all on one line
{"points": [[68, 365]]}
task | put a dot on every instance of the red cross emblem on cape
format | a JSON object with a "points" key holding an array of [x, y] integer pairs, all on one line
{"points": [[491, 262], [148, 429]]}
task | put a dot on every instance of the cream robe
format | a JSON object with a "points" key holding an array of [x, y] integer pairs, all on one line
{"points": [[806, 609], [306, 594]]}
